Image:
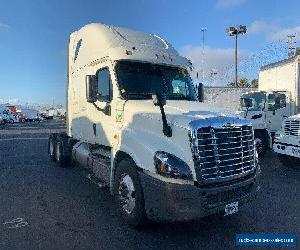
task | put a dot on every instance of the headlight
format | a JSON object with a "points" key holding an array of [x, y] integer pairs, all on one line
{"points": [[169, 165]]}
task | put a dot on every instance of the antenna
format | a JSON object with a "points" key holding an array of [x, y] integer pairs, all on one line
{"points": [[291, 47]]}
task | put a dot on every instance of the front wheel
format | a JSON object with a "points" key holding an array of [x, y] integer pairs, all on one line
{"points": [[129, 194], [260, 144]]}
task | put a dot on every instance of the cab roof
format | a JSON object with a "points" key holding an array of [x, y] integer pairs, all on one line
{"points": [[97, 41]]}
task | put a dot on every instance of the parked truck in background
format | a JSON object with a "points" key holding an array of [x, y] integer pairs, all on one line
{"points": [[49, 114], [134, 122], [9, 113], [287, 142], [31, 114], [277, 98]]}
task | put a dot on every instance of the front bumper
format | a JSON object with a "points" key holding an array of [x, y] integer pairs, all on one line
{"points": [[286, 149], [182, 202]]}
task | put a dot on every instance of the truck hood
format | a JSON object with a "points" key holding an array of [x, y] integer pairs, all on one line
{"points": [[179, 113], [294, 117]]}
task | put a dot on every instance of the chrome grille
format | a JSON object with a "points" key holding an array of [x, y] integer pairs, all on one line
{"points": [[292, 127], [223, 153]]}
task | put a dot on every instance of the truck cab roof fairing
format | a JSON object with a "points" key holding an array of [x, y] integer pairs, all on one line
{"points": [[98, 41]]}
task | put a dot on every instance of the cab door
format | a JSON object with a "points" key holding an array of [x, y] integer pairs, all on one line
{"points": [[277, 110], [101, 127]]}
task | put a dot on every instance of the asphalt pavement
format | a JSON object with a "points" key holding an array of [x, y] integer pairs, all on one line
{"points": [[43, 206]]}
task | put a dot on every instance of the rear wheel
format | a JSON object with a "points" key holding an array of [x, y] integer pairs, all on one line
{"points": [[289, 161], [128, 194], [63, 151]]}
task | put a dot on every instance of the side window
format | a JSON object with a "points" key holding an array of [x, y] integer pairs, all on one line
{"points": [[179, 88], [78, 45], [276, 101], [282, 100], [104, 90]]}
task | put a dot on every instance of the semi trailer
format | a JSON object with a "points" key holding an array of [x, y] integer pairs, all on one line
{"points": [[277, 98], [135, 124]]}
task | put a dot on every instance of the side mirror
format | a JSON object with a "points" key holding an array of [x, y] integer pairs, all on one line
{"points": [[277, 102], [200, 92], [159, 99], [91, 88]]}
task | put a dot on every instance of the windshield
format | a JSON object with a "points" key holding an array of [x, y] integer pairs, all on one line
{"points": [[258, 101], [140, 80]]}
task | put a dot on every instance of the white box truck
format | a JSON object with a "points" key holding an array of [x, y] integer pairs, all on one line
{"points": [[276, 99], [287, 142], [134, 122]]}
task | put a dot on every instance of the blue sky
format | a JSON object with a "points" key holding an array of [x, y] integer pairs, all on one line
{"points": [[34, 34]]}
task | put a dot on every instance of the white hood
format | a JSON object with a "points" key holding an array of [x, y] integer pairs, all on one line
{"points": [[179, 113]]}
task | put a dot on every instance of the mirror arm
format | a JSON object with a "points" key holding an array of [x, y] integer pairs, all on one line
{"points": [[246, 113], [167, 130], [106, 110]]}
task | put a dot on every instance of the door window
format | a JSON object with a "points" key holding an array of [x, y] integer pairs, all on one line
{"points": [[276, 101], [104, 90]]}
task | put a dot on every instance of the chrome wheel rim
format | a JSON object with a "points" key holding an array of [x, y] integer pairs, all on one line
{"points": [[259, 145], [127, 194]]}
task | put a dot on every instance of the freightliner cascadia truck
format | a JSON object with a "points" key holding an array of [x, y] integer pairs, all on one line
{"points": [[276, 99], [135, 123]]}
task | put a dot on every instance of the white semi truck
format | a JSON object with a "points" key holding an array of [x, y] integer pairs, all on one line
{"points": [[287, 142], [134, 122], [276, 99]]}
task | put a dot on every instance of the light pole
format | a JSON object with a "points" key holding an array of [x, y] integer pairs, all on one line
{"points": [[232, 31], [213, 74], [203, 40]]}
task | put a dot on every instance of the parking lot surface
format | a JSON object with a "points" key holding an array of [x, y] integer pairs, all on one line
{"points": [[43, 206]]}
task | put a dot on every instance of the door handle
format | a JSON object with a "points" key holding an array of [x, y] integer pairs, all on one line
{"points": [[94, 129]]}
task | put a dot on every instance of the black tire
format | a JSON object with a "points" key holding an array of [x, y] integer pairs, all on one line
{"points": [[11, 121], [289, 161], [63, 151], [261, 143], [51, 147], [135, 215]]}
